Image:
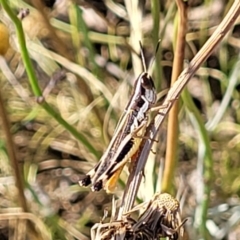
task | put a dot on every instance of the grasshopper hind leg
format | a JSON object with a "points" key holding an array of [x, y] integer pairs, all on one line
{"points": [[97, 186], [108, 183], [85, 181]]}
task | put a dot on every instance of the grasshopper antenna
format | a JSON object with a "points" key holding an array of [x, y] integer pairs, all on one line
{"points": [[142, 57], [154, 58]]}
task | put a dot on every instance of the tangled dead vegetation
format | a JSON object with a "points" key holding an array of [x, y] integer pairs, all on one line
{"points": [[161, 218]]}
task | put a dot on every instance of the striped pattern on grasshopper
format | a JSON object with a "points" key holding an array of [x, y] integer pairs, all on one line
{"points": [[127, 136]]}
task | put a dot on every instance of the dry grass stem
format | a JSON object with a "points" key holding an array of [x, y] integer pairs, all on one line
{"points": [[172, 131]]}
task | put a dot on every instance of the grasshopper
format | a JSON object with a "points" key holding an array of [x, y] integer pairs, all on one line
{"points": [[127, 136]]}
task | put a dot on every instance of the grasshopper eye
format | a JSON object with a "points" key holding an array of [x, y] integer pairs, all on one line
{"points": [[147, 82], [149, 89]]}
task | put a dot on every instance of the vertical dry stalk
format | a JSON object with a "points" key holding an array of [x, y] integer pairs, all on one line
{"points": [[12, 156], [172, 131]]}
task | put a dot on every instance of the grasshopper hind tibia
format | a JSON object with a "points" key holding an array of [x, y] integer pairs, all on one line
{"points": [[97, 186], [85, 181]]}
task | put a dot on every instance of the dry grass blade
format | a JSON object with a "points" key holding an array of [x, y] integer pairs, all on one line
{"points": [[73, 67], [118, 230], [23, 93], [39, 225], [72, 230]]}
